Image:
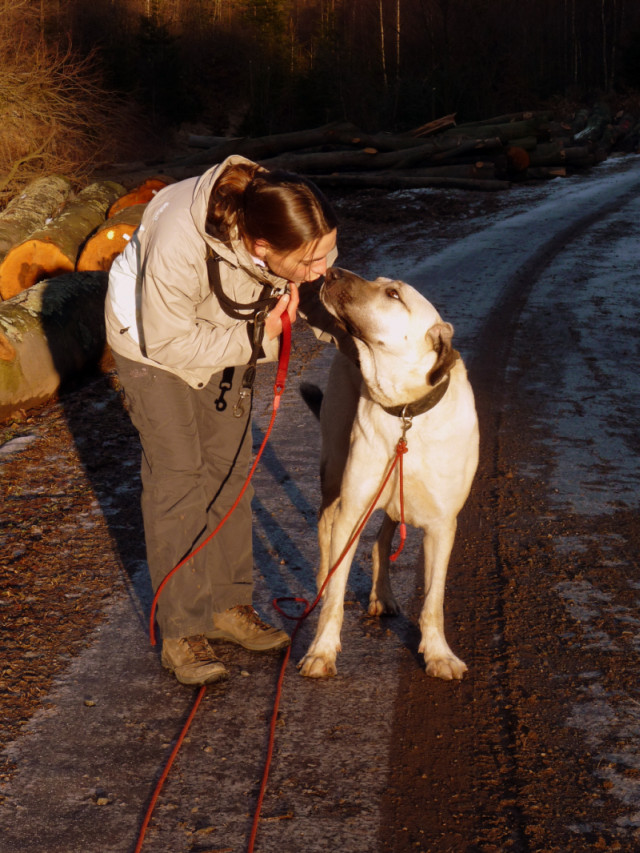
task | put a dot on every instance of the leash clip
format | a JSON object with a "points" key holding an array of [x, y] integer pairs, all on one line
{"points": [[407, 422], [238, 409]]}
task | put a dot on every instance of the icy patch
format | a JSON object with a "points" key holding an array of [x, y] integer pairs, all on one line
{"points": [[618, 768], [585, 603], [15, 445]]}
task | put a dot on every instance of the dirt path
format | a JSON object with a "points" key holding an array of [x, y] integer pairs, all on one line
{"points": [[511, 759]]}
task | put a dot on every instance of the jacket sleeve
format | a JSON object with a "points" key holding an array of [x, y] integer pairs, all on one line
{"points": [[173, 333]]}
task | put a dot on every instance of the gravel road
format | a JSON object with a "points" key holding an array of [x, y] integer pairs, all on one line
{"points": [[535, 750]]}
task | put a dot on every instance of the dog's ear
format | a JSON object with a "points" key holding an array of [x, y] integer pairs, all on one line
{"points": [[441, 335]]}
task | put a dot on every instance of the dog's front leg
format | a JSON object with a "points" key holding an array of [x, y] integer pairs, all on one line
{"points": [[325, 526], [440, 660], [320, 659]]}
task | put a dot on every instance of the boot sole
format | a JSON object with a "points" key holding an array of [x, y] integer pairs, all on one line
{"points": [[222, 636], [221, 675]]}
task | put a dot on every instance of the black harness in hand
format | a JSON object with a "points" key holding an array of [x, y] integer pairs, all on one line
{"points": [[253, 313]]}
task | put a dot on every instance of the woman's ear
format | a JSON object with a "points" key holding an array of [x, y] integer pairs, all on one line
{"points": [[260, 249]]}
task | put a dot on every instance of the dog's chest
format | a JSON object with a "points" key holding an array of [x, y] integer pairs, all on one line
{"points": [[431, 478]]}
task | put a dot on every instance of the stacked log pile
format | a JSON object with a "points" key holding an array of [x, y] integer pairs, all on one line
{"points": [[486, 155], [55, 250], [48, 230]]}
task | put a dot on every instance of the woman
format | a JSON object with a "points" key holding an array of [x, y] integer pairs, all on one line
{"points": [[197, 295]]}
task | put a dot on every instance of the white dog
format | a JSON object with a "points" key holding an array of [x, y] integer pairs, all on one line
{"points": [[411, 378]]}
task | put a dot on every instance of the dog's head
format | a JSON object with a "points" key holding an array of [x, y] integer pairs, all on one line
{"points": [[393, 325]]}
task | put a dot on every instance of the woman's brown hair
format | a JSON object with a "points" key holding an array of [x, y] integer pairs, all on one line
{"points": [[280, 207]]}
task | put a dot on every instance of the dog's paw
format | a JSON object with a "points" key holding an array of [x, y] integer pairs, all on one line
{"points": [[317, 666], [448, 668], [383, 606]]}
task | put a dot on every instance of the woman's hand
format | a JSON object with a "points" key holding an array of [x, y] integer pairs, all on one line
{"points": [[289, 303]]}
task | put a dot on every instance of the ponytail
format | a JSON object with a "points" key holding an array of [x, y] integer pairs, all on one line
{"points": [[226, 200], [284, 209]]}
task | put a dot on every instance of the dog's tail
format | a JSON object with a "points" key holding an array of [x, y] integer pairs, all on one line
{"points": [[312, 395]]}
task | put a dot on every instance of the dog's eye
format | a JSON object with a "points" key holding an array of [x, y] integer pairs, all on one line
{"points": [[392, 293]]}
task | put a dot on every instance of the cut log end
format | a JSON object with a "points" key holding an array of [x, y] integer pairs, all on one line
{"points": [[109, 240], [103, 248], [29, 263], [140, 195]]}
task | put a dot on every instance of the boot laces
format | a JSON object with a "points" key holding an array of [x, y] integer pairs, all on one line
{"points": [[247, 612], [200, 648]]}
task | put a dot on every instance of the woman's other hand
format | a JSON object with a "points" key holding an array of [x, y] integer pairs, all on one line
{"points": [[289, 303]]}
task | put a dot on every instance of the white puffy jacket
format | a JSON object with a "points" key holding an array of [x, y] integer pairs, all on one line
{"points": [[160, 308]]}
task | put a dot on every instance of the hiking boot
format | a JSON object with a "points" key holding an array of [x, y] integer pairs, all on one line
{"points": [[192, 661], [242, 625]]}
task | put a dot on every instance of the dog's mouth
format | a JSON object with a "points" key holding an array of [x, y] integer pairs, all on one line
{"points": [[335, 304]]}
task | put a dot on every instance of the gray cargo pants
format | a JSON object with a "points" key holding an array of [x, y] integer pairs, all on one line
{"points": [[195, 459]]}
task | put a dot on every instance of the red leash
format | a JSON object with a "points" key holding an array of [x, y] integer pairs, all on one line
{"points": [[401, 449], [167, 768], [278, 390]]}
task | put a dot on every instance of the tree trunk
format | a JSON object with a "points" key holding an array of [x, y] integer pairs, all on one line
{"points": [[368, 159], [109, 239], [53, 249], [546, 172], [40, 200], [200, 140], [261, 148], [540, 116], [50, 332], [506, 131], [480, 170], [397, 181], [269, 146], [598, 120]]}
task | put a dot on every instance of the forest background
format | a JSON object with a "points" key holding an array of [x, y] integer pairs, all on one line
{"points": [[85, 83]]}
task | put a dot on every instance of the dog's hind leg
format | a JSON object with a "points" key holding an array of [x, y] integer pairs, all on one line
{"points": [[381, 598], [440, 660]]}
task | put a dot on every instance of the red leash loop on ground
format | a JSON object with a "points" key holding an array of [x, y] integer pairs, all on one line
{"points": [[278, 388]]}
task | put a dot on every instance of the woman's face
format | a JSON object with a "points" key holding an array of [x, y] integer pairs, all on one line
{"points": [[304, 264]]}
